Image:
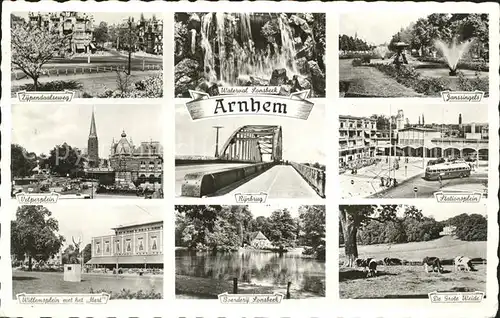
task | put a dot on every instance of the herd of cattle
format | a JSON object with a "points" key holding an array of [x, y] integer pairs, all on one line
{"points": [[460, 263]]}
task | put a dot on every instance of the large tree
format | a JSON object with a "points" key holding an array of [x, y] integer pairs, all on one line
{"points": [[32, 47], [34, 234], [101, 34], [87, 253], [352, 217], [282, 231], [65, 160], [22, 162], [313, 226]]}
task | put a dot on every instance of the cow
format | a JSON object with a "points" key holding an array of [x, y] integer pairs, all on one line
{"points": [[392, 261], [433, 262], [463, 263], [369, 264]]}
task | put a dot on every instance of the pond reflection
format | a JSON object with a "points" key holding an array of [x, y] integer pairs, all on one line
{"points": [[257, 267]]}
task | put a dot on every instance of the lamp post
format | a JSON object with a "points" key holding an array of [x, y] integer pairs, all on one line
{"points": [[217, 140], [130, 21]]}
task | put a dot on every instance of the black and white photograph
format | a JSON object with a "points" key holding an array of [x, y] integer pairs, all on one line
{"points": [[396, 54], [83, 250], [220, 49], [250, 249], [409, 251], [93, 54], [87, 152], [269, 155], [413, 150]]}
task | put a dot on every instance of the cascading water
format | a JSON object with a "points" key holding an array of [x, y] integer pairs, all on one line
{"points": [[238, 58], [452, 53], [193, 40]]}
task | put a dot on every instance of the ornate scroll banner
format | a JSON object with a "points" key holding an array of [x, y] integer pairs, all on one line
{"points": [[293, 106], [460, 97], [53, 299], [26, 97]]}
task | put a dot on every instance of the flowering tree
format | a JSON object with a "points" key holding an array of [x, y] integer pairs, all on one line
{"points": [[33, 47]]}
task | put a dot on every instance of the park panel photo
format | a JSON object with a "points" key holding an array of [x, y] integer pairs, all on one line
{"points": [[413, 150], [278, 157], [56, 250], [250, 249], [408, 251], [93, 54], [396, 54], [87, 152], [220, 49]]}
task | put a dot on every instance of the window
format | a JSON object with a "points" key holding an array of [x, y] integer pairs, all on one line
{"points": [[141, 246], [154, 247], [106, 246], [118, 246], [129, 246], [98, 247]]}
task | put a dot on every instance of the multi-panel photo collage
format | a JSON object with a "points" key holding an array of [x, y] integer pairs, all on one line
{"points": [[174, 155]]}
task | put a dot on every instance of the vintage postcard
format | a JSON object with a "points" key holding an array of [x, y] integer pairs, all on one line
{"points": [[221, 147]]}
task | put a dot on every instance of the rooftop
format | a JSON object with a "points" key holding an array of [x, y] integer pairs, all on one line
{"points": [[130, 225]]}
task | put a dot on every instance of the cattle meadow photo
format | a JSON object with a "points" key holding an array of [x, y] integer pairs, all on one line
{"points": [[250, 249], [409, 251]]}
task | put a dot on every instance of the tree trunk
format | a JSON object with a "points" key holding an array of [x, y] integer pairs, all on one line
{"points": [[30, 263], [349, 229], [35, 83]]}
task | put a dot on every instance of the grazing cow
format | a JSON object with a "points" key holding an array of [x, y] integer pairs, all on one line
{"points": [[463, 263], [392, 261], [369, 264], [433, 262]]}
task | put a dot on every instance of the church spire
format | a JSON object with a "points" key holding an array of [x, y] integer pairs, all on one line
{"points": [[93, 130]]}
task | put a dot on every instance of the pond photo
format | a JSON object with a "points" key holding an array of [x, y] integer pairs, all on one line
{"points": [[413, 55], [243, 249]]}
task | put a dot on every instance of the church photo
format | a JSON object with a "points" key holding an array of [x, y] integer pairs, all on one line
{"points": [[87, 151]]}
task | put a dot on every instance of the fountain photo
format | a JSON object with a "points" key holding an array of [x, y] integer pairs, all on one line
{"points": [[250, 249], [408, 251], [218, 49], [116, 250], [412, 55]]}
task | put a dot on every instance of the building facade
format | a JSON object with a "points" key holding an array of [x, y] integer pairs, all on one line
{"points": [[150, 36], [138, 245], [357, 138], [260, 241], [77, 26], [142, 164]]}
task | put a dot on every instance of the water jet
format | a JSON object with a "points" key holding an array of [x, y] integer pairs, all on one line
{"points": [[452, 53]]}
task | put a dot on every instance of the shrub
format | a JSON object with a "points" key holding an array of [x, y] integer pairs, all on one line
{"points": [[366, 59], [53, 86], [127, 294], [476, 83], [150, 87]]}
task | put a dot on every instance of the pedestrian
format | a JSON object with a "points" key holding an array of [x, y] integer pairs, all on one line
{"points": [[440, 181]]}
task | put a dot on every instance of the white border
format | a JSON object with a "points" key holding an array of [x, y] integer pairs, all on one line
{"points": [[331, 305]]}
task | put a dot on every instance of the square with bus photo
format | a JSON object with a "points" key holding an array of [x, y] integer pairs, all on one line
{"points": [[413, 151]]}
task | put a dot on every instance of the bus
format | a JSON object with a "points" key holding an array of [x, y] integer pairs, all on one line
{"points": [[447, 170]]}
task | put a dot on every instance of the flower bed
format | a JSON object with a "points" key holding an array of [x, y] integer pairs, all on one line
{"points": [[127, 294], [472, 65]]}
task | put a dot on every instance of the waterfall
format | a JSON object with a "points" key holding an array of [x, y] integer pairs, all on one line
{"points": [[232, 55], [193, 41], [453, 52]]}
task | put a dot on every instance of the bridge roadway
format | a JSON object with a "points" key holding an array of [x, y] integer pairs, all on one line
{"points": [[278, 182], [181, 171]]}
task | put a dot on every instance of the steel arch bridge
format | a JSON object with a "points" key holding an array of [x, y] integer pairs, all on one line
{"points": [[250, 143]]}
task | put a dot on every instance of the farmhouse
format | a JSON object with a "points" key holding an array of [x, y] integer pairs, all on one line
{"points": [[448, 230], [259, 240]]}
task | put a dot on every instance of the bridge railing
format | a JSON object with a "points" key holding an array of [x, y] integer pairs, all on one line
{"points": [[314, 176]]}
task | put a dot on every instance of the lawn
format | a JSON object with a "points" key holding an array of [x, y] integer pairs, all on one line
{"points": [[366, 81], [408, 281], [52, 283]]}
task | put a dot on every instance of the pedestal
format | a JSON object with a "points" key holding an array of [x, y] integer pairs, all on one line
{"points": [[72, 272]]}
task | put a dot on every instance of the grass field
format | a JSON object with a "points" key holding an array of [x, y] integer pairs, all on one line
{"points": [[413, 281], [52, 283]]}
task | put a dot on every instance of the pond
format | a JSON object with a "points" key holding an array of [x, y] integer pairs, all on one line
{"points": [[256, 267]]}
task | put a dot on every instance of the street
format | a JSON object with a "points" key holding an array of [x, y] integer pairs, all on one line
{"points": [[426, 189]]}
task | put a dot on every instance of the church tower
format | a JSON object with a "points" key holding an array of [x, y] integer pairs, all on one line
{"points": [[93, 145]]}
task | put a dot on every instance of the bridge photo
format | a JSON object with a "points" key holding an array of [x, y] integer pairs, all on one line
{"points": [[272, 156]]}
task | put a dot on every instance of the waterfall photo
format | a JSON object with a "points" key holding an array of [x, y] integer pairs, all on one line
{"points": [[413, 55], [249, 250], [217, 49]]}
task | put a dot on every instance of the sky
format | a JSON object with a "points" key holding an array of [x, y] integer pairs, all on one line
{"points": [[376, 27], [431, 209], [440, 113], [39, 128], [303, 140], [87, 221], [108, 17]]}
